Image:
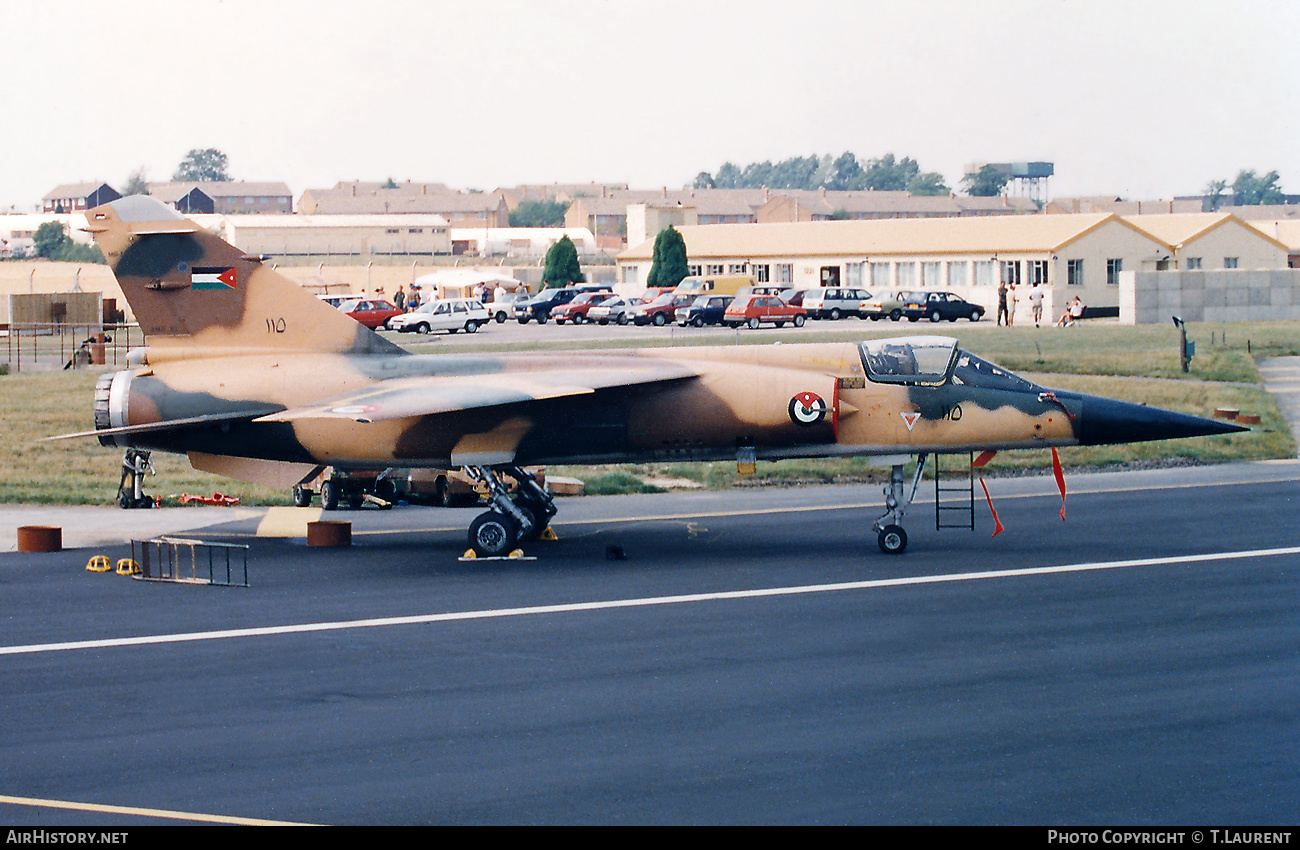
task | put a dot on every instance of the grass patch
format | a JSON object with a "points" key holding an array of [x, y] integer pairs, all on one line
{"points": [[81, 471]]}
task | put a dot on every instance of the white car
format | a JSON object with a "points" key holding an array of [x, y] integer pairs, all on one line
{"points": [[504, 307], [451, 315]]}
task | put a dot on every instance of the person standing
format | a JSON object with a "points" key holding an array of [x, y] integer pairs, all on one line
{"points": [[1002, 302], [1036, 303], [1011, 304]]}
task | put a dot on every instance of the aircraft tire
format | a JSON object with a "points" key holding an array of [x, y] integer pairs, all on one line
{"points": [[302, 496], [492, 535], [330, 491], [892, 539]]}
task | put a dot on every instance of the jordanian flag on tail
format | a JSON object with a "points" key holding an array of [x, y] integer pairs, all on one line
{"points": [[213, 278]]}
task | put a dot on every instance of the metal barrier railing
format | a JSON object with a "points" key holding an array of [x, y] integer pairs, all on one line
{"points": [[68, 345], [177, 559]]}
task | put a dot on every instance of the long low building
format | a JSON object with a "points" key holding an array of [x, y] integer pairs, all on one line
{"points": [[1070, 255]]}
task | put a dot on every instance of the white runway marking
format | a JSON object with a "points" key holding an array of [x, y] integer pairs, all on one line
{"points": [[134, 810], [682, 599]]}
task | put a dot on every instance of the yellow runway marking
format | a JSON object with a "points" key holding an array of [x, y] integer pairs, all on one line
{"points": [[150, 813]]}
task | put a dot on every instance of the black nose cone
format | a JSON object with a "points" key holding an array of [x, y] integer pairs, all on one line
{"points": [[1104, 421]]}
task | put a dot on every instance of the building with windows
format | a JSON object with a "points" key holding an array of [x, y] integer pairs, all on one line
{"points": [[1212, 242], [460, 209], [77, 197], [291, 239], [1070, 255], [224, 197]]}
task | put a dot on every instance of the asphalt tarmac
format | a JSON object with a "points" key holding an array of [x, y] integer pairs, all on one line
{"points": [[745, 657]]}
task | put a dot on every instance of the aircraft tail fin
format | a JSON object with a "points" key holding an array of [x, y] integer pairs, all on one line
{"points": [[191, 290]]}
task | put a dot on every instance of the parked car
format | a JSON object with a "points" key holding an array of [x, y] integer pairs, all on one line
{"points": [[504, 307], [835, 302], [337, 300], [785, 293], [705, 310], [939, 305], [662, 310], [753, 310], [883, 305], [450, 314], [576, 310], [372, 314], [539, 307], [614, 309]]}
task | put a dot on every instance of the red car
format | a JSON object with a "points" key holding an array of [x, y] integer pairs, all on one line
{"points": [[372, 314], [576, 310], [753, 310]]}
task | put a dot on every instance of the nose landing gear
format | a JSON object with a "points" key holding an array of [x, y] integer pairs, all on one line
{"points": [[890, 535]]}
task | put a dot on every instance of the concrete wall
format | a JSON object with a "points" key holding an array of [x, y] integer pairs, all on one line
{"points": [[1215, 296]]}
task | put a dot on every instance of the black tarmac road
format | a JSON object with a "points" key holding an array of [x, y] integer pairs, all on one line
{"points": [[741, 657]]}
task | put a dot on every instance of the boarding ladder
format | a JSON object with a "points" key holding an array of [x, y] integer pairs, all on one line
{"points": [[954, 492]]}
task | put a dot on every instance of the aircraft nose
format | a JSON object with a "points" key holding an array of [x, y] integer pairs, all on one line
{"points": [[1103, 421]]}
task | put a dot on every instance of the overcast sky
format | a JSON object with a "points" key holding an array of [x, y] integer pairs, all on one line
{"points": [[1139, 98]]}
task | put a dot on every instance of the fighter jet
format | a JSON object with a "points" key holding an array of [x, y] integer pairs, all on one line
{"points": [[253, 378]]}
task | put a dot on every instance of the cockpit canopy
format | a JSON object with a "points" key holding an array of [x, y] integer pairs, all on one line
{"points": [[932, 361]]}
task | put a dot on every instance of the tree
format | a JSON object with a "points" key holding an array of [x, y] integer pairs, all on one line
{"points": [[1249, 190], [703, 180], [889, 175], [49, 238], [539, 214], [668, 265], [206, 166], [728, 176], [846, 173], [1214, 195], [988, 182], [562, 267], [136, 184], [52, 243], [928, 183]]}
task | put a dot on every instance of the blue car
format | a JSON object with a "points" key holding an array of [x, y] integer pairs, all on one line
{"points": [[705, 310]]}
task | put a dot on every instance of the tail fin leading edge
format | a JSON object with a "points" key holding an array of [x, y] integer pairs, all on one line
{"points": [[190, 289]]}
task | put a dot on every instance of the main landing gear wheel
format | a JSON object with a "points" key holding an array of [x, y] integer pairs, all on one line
{"points": [[892, 539], [524, 514], [302, 496], [493, 535]]}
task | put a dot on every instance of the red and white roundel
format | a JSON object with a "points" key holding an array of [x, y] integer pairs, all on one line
{"points": [[807, 408]]}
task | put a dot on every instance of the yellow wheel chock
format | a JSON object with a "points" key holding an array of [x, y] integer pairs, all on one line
{"points": [[127, 567], [98, 564]]}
